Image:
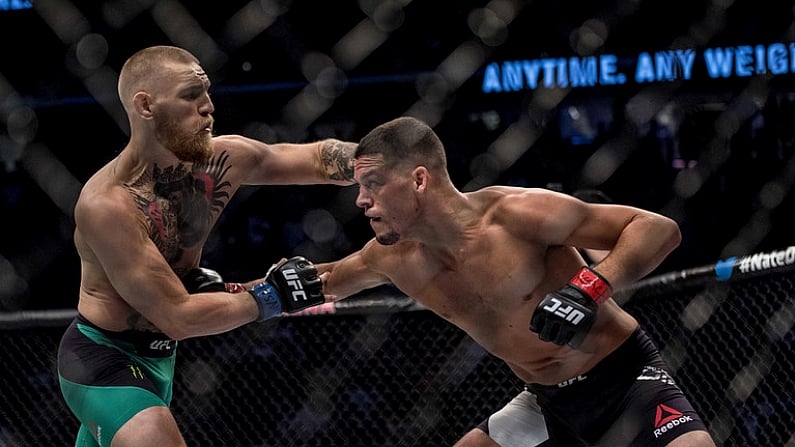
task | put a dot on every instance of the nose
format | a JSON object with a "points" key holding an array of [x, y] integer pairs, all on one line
{"points": [[363, 200], [207, 107]]}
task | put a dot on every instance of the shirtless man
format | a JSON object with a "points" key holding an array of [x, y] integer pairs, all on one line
{"points": [[141, 222], [501, 264]]}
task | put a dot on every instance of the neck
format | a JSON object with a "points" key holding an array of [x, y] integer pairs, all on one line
{"points": [[140, 157], [447, 220]]}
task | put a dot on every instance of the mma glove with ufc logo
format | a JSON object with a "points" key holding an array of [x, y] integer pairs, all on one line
{"points": [[288, 287], [566, 315]]}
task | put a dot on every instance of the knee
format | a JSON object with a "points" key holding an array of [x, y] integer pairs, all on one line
{"points": [[476, 438]]}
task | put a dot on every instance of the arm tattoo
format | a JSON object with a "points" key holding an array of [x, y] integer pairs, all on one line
{"points": [[337, 159]]}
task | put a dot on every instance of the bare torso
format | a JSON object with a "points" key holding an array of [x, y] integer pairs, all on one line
{"points": [[175, 207], [490, 285]]}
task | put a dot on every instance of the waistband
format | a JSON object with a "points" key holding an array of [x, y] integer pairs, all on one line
{"points": [[147, 344]]}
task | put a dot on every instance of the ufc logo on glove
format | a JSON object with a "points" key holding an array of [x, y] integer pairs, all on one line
{"points": [[288, 287], [294, 281], [568, 313], [565, 316]]}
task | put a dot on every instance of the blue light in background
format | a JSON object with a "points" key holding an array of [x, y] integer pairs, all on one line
{"points": [[12, 5]]}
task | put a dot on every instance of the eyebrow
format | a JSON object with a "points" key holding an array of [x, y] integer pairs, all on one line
{"points": [[367, 175], [195, 84]]}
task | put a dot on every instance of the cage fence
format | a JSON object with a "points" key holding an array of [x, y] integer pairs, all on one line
{"points": [[708, 145], [381, 370], [715, 154]]}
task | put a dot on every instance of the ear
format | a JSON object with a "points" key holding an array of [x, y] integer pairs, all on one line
{"points": [[143, 105], [421, 177]]}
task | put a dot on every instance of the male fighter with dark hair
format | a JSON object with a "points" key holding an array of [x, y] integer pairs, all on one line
{"points": [[501, 263]]}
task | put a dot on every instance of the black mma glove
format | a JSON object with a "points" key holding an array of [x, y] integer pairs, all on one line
{"points": [[566, 315], [201, 280], [289, 287]]}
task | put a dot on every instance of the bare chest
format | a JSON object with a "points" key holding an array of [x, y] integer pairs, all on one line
{"points": [[494, 276], [495, 281], [485, 287], [179, 207]]}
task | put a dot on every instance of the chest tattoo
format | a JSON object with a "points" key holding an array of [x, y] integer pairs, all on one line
{"points": [[180, 205]]}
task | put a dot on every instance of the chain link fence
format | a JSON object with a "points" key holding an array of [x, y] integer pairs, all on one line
{"points": [[688, 113], [716, 152], [381, 371]]}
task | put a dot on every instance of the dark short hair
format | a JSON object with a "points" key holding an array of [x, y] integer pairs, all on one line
{"points": [[405, 140], [149, 64]]}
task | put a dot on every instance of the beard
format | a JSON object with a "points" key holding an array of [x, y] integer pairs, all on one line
{"points": [[390, 238], [188, 147]]}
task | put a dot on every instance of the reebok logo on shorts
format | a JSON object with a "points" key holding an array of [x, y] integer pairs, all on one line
{"points": [[667, 418]]}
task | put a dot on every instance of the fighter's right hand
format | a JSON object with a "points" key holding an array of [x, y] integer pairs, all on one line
{"points": [[288, 287], [202, 280], [566, 315]]}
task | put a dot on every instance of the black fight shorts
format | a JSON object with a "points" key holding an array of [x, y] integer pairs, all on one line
{"points": [[627, 399]]}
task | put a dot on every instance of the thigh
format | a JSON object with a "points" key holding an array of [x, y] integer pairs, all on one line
{"points": [[656, 413], [104, 386], [522, 424], [103, 410], [153, 426], [476, 438]]}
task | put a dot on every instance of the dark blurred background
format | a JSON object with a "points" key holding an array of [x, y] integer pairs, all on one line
{"points": [[712, 150]]}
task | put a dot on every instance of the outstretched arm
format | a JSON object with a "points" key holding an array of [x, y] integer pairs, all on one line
{"points": [[350, 275], [325, 161]]}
